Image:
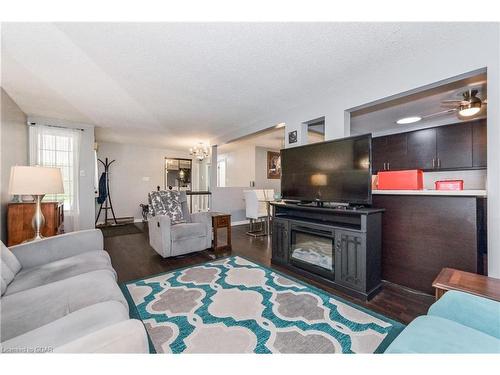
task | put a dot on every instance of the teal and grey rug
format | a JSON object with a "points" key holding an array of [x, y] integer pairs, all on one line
{"points": [[232, 305]]}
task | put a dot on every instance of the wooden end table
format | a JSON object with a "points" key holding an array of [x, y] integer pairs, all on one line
{"points": [[479, 285], [221, 220]]}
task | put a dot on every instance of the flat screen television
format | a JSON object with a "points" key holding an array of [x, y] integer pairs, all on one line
{"points": [[333, 171]]}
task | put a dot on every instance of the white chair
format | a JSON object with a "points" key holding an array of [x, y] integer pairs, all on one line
{"points": [[256, 209], [269, 194]]}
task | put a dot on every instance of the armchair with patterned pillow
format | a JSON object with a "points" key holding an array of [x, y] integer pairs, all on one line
{"points": [[173, 230]]}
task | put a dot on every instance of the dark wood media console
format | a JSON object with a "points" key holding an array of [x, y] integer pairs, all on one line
{"points": [[348, 241]]}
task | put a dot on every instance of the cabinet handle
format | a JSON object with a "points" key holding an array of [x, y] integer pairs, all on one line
{"points": [[385, 168], [433, 163], [388, 166], [439, 163]]}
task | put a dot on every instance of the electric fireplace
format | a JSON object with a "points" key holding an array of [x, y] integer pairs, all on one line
{"points": [[312, 249]]}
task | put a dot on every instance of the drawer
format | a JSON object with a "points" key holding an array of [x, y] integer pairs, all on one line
{"points": [[222, 221]]}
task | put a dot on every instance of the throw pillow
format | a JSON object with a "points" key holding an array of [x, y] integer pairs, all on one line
{"points": [[172, 204]]}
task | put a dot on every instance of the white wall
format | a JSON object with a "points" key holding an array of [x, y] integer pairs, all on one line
{"points": [[14, 151], [136, 172], [86, 191], [261, 180], [240, 165], [413, 67]]}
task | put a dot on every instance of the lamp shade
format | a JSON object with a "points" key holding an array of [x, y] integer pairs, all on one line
{"points": [[35, 180]]}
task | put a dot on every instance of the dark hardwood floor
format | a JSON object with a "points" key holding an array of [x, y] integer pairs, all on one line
{"points": [[133, 258]]}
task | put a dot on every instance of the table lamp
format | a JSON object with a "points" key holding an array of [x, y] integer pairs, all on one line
{"points": [[36, 181]]}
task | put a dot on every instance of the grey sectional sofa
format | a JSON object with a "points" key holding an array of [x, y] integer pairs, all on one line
{"points": [[60, 295]]}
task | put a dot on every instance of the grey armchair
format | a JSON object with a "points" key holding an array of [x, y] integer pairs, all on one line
{"points": [[171, 239]]}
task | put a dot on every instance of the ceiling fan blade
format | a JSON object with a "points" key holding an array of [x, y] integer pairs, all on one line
{"points": [[440, 113]]}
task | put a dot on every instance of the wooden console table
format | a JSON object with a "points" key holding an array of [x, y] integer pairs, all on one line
{"points": [[19, 217], [221, 220], [479, 285]]}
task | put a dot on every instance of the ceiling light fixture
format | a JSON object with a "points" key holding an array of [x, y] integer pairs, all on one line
{"points": [[470, 109], [200, 151], [408, 120]]}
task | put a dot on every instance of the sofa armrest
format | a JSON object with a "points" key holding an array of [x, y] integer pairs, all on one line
{"points": [[206, 219], [475, 312], [202, 217], [159, 234], [36, 253], [128, 336]]}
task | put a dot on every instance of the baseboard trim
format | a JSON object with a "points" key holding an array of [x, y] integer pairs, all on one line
{"points": [[242, 222]]}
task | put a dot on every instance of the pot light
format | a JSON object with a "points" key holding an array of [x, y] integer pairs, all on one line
{"points": [[408, 120]]}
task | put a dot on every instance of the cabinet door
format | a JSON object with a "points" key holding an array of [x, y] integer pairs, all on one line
{"points": [[379, 156], [422, 149], [280, 240], [350, 259], [454, 146], [479, 141], [396, 150]]}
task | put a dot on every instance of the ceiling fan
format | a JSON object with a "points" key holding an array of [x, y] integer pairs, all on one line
{"points": [[469, 106]]}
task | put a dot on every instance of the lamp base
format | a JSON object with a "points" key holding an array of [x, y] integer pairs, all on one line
{"points": [[38, 220]]}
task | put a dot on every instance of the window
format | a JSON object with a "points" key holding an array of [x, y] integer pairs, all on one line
{"points": [[58, 147]]}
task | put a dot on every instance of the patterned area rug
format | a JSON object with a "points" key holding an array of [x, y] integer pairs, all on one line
{"points": [[235, 306]]}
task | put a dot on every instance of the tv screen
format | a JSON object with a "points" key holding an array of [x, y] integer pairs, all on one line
{"points": [[332, 171]]}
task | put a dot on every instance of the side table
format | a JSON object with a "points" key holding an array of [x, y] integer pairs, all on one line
{"points": [[479, 285], [221, 220]]}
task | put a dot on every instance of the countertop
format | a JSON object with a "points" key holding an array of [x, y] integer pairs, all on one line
{"points": [[456, 193]]}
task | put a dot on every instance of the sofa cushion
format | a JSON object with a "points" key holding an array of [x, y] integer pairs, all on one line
{"points": [[188, 230], [32, 308], [60, 270], [9, 265], [3, 284], [430, 334], [472, 311], [9, 259], [70, 327], [128, 336]]}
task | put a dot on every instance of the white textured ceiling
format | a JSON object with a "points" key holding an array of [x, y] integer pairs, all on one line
{"points": [[175, 84]]}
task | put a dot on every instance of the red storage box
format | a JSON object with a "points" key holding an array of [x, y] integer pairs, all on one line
{"points": [[401, 180], [450, 185]]}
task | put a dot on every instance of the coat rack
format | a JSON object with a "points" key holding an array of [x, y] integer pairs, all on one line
{"points": [[108, 205]]}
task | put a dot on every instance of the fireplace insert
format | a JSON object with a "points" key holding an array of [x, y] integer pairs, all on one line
{"points": [[312, 249]]}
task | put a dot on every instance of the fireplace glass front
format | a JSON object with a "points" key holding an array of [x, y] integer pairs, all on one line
{"points": [[313, 250]]}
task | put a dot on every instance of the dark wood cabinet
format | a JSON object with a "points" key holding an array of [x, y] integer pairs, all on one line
{"points": [[423, 234], [19, 217], [379, 146], [350, 259], [389, 152], [454, 146], [422, 149], [451, 147], [280, 240], [479, 144], [352, 237]]}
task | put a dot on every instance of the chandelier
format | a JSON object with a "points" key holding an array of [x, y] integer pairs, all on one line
{"points": [[200, 151]]}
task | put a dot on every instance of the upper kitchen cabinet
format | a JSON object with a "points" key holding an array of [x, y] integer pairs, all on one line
{"points": [[454, 146], [422, 149], [389, 152], [450, 147], [379, 145], [479, 141]]}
